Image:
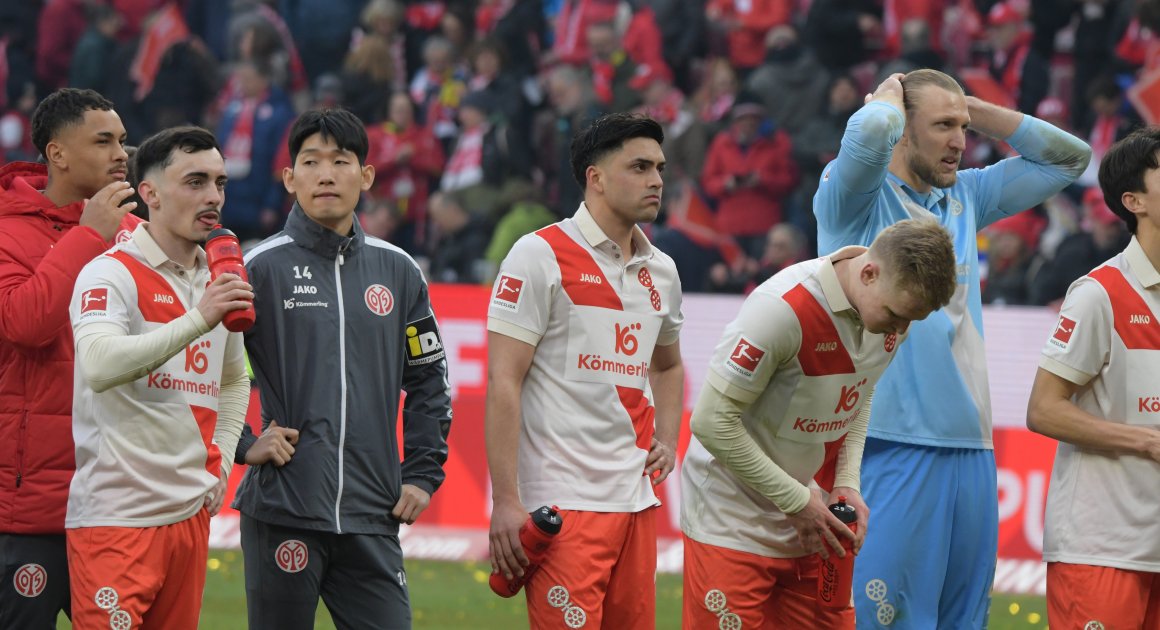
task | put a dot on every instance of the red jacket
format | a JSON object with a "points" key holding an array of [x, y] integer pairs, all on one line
{"points": [[41, 255], [405, 185], [755, 19], [751, 210]]}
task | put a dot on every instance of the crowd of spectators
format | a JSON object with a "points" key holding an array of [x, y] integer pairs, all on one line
{"points": [[470, 106]]}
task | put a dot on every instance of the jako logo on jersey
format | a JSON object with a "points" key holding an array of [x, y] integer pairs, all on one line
{"points": [[591, 278], [379, 300], [30, 580], [195, 359], [292, 556], [826, 346], [745, 358], [1148, 404], [423, 343], [508, 291], [848, 399], [1139, 319], [94, 300], [1063, 331], [305, 288], [626, 342], [163, 298]]}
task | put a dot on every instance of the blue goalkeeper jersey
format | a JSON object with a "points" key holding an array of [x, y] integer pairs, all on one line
{"points": [[936, 392]]}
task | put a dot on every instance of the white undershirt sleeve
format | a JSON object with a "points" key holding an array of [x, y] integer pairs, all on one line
{"points": [[849, 473], [108, 357], [233, 402], [717, 424]]}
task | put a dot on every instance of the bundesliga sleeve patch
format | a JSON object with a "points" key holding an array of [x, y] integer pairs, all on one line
{"points": [[744, 359], [423, 343], [1063, 331], [95, 301], [509, 290]]}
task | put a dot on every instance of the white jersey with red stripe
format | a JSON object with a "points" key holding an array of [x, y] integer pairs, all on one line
{"points": [[594, 314], [1103, 508], [798, 354], [144, 450]]}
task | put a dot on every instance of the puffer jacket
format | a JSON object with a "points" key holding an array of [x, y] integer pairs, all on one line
{"points": [[42, 249]]}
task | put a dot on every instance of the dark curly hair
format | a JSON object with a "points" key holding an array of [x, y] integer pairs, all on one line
{"points": [[61, 109], [608, 134]]}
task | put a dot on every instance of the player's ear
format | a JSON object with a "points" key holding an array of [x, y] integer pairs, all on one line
{"points": [[288, 179], [870, 272]]}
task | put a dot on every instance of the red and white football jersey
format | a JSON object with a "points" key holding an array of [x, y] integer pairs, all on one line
{"points": [[144, 450], [798, 352], [1103, 509], [595, 315]]}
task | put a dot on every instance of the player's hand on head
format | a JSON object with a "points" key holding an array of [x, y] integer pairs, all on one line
{"points": [[412, 501], [104, 212], [274, 446], [818, 530], [226, 293], [661, 459], [854, 500], [507, 553], [889, 91]]}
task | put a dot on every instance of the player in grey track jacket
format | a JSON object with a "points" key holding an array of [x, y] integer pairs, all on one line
{"points": [[344, 323]]}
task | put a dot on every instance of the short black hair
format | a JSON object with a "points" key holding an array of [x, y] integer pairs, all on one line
{"points": [[608, 134], [1124, 166], [1104, 86], [337, 123], [157, 150], [61, 109]]}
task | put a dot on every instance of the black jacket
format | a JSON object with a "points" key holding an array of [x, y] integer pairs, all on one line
{"points": [[343, 324]]}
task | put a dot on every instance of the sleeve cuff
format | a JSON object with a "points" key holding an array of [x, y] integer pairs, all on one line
{"points": [[509, 329], [422, 484], [1065, 371]]}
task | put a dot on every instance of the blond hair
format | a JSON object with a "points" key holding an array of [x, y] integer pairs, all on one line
{"points": [[918, 79], [920, 256], [371, 57]]}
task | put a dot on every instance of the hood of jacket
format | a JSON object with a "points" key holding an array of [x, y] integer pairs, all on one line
{"points": [[21, 184]]}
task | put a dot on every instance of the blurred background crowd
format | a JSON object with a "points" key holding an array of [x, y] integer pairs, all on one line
{"points": [[470, 106]]}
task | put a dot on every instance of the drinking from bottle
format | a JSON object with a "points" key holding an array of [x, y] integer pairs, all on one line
{"points": [[536, 537], [836, 575], [223, 254]]}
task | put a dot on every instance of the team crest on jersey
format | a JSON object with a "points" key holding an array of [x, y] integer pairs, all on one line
{"points": [[423, 343], [95, 301], [745, 358], [123, 236], [30, 580], [379, 300], [509, 290], [955, 206], [1061, 338], [890, 342], [654, 296]]}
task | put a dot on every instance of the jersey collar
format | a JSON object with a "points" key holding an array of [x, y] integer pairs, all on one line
{"points": [[323, 241], [1140, 265], [828, 278], [153, 253], [928, 201], [594, 236]]}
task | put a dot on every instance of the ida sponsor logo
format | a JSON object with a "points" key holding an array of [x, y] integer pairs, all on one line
{"points": [[94, 301], [509, 290], [745, 358], [1063, 331]]}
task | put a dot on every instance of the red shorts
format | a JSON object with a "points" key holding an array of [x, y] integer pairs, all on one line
{"points": [[724, 588], [1079, 594], [600, 573], [138, 577]]}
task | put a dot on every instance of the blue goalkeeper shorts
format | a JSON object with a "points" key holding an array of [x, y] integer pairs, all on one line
{"points": [[929, 556]]}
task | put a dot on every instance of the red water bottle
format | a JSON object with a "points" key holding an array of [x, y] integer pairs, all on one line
{"points": [[536, 537], [223, 254], [836, 575]]}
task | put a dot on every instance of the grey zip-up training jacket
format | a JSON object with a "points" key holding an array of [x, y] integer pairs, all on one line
{"points": [[343, 324]]}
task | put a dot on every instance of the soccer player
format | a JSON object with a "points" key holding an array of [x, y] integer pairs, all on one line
{"points": [[160, 392], [584, 387], [929, 469], [54, 218], [344, 324], [1095, 392], [781, 422]]}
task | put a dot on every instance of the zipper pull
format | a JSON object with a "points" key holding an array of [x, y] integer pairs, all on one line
{"points": [[341, 260]]}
